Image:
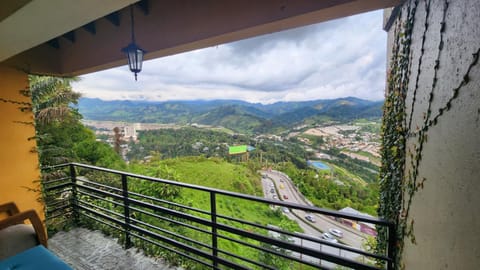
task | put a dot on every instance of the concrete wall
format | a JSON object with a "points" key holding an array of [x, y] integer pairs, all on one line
{"points": [[18, 165], [446, 211]]}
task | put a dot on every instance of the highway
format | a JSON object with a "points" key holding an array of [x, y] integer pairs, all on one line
{"points": [[284, 190]]}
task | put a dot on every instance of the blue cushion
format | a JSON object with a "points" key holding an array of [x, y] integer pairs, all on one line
{"points": [[32, 259]]}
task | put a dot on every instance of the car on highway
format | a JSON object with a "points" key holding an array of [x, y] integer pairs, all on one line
{"points": [[272, 190], [336, 232], [328, 237], [274, 197], [285, 196], [285, 210], [310, 218]]}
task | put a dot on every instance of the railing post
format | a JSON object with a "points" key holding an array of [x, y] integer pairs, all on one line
{"points": [[392, 240], [126, 211], [213, 213], [74, 200]]}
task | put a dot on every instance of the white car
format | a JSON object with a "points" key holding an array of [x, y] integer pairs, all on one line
{"points": [[310, 218], [336, 232], [329, 237]]}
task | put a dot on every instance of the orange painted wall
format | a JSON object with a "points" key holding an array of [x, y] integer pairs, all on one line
{"points": [[19, 168]]}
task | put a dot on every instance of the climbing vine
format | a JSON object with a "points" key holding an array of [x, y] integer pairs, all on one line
{"points": [[393, 128], [399, 185]]}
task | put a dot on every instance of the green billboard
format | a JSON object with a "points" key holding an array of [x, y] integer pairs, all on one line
{"points": [[238, 149]]}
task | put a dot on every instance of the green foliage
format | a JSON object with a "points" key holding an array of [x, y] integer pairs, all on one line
{"points": [[324, 192], [60, 135], [363, 169], [99, 154]]}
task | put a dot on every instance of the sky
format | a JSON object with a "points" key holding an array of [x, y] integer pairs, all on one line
{"points": [[338, 58]]}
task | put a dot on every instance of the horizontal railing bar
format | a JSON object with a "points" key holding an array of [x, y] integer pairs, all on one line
{"points": [[171, 212], [101, 221], [303, 250], [120, 222], [59, 202], [50, 211], [46, 182], [169, 249], [58, 215], [57, 222], [168, 202], [100, 208], [243, 196], [59, 186], [87, 181], [50, 194], [170, 220], [99, 198], [55, 166], [103, 192], [171, 233]]}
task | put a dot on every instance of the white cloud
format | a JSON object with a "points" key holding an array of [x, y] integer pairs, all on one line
{"points": [[345, 57]]}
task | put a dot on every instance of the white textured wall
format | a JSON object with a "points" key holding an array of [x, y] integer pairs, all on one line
{"points": [[446, 212]]}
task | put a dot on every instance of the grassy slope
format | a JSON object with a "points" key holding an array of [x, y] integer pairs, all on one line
{"points": [[217, 173]]}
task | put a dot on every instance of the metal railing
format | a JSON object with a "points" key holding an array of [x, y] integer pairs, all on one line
{"points": [[145, 212]]}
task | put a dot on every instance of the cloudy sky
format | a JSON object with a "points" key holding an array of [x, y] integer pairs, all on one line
{"points": [[339, 58]]}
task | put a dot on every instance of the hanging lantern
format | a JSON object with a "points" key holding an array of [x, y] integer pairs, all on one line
{"points": [[133, 52], [135, 57]]}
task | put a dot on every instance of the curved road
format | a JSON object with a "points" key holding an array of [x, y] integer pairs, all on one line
{"points": [[284, 190]]}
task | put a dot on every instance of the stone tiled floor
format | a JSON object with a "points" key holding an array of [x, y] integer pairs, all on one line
{"points": [[91, 250]]}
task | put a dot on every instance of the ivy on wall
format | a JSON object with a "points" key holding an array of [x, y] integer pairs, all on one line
{"points": [[399, 183]]}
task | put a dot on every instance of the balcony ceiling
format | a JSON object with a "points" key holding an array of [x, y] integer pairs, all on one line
{"points": [[70, 37]]}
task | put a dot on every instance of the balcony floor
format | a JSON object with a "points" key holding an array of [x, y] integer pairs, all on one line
{"points": [[91, 250]]}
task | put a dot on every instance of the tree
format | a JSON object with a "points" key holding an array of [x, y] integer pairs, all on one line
{"points": [[60, 135], [117, 140], [51, 99], [56, 122]]}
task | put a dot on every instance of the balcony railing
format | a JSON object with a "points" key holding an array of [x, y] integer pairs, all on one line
{"points": [[141, 212]]}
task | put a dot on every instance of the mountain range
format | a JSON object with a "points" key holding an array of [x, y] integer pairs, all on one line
{"points": [[236, 115]]}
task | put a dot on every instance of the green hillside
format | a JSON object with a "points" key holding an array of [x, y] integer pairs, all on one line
{"points": [[220, 174]]}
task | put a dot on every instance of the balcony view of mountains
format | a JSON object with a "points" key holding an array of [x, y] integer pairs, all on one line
{"points": [[236, 115], [283, 164]]}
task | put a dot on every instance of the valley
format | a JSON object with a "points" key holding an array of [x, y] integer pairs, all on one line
{"points": [[348, 148]]}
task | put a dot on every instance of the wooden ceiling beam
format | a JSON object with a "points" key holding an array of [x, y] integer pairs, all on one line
{"points": [[114, 18], [90, 27]]}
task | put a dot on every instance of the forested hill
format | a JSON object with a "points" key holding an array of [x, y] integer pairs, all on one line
{"points": [[237, 115]]}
